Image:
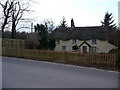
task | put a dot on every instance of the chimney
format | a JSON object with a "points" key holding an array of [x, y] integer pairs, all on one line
{"points": [[72, 23]]}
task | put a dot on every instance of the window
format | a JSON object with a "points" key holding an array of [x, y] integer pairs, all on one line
{"points": [[94, 41], [64, 48], [93, 49], [57, 41], [73, 41]]}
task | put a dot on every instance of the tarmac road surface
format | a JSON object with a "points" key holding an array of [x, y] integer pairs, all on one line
{"points": [[25, 73]]}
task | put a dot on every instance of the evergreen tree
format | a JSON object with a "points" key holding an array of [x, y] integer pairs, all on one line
{"points": [[45, 43], [63, 23], [108, 22], [52, 44], [41, 30]]}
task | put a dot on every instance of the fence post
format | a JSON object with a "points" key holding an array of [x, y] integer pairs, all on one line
{"points": [[114, 60], [66, 57], [54, 55]]}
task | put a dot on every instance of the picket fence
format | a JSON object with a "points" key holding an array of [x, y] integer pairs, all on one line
{"points": [[87, 59]]}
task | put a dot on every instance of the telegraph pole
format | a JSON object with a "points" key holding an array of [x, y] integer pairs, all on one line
{"points": [[31, 27]]}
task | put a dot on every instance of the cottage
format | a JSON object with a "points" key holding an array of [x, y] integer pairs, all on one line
{"points": [[82, 39]]}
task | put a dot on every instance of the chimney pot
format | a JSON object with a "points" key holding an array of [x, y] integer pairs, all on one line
{"points": [[72, 23]]}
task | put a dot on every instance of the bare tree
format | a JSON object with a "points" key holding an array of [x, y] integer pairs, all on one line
{"points": [[7, 9], [49, 25], [17, 13], [13, 11]]}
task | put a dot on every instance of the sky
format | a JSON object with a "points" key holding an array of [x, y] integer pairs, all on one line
{"points": [[83, 12]]}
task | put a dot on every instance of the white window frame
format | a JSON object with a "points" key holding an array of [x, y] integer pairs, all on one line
{"points": [[64, 48], [74, 41], [94, 49]]}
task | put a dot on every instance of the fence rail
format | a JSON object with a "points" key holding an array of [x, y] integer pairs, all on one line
{"points": [[87, 59], [13, 43]]}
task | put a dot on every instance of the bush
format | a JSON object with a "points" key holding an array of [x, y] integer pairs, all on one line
{"points": [[118, 59], [114, 51], [32, 41]]}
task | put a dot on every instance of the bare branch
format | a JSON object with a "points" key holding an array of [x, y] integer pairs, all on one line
{"points": [[23, 27], [13, 11]]}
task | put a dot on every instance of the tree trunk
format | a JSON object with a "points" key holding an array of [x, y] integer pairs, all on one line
{"points": [[3, 27], [13, 30]]}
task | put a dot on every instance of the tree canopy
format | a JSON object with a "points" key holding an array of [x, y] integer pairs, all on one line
{"points": [[41, 30], [63, 23], [45, 42], [108, 21], [49, 25], [13, 11], [113, 34]]}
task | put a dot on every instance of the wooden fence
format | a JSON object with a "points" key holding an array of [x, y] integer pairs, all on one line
{"points": [[87, 59], [13, 43]]}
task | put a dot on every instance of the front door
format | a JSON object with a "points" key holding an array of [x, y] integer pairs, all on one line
{"points": [[84, 49]]}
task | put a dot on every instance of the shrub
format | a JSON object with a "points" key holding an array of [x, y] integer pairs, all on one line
{"points": [[32, 41], [118, 59], [114, 51]]}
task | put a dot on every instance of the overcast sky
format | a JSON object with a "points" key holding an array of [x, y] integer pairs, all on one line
{"points": [[84, 12]]}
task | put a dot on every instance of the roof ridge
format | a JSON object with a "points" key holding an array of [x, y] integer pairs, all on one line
{"points": [[84, 33]]}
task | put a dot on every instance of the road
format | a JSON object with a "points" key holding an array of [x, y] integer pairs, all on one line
{"points": [[24, 73]]}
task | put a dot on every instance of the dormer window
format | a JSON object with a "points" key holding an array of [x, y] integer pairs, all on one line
{"points": [[57, 41], [74, 41], [94, 41]]}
